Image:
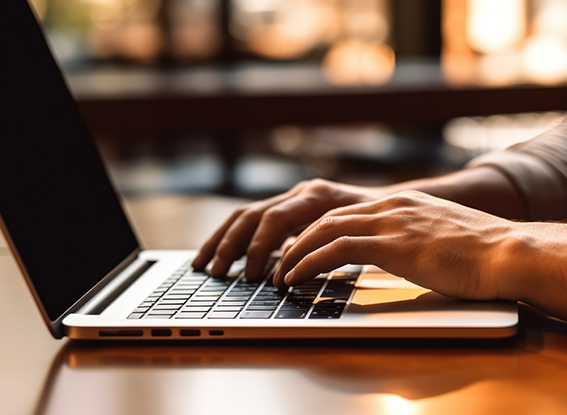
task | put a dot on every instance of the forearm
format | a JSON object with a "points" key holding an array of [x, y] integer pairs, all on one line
{"points": [[482, 188]]}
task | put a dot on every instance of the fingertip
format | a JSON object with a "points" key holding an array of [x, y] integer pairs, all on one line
{"points": [[198, 262], [288, 279], [251, 273], [281, 286], [215, 268]]}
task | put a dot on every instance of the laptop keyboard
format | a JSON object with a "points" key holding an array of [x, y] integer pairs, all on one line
{"points": [[189, 294]]}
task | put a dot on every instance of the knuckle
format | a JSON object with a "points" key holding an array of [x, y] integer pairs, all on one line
{"points": [[343, 244], [225, 250], [246, 208], [241, 209], [253, 252], [339, 211], [300, 185], [274, 215], [308, 260], [257, 249], [251, 215], [406, 198], [319, 186], [327, 223]]}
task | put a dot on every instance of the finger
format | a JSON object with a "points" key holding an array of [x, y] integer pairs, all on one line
{"points": [[208, 249], [276, 225], [342, 251], [389, 204], [324, 232], [358, 209], [230, 242]]}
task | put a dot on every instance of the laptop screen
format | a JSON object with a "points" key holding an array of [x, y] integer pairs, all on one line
{"points": [[56, 201]]}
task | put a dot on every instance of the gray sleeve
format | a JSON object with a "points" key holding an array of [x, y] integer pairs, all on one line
{"points": [[538, 169]]}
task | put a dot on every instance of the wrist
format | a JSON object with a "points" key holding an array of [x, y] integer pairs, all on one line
{"points": [[530, 265]]}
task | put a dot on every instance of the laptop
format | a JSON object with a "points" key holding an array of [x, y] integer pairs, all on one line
{"points": [[64, 223]]}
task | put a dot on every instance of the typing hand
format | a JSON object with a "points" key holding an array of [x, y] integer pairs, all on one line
{"points": [[258, 228], [432, 242]]}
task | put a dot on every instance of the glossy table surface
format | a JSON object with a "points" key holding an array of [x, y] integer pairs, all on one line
{"points": [[41, 375]]}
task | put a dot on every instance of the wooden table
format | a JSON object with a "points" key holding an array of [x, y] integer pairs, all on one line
{"points": [[40, 375]]}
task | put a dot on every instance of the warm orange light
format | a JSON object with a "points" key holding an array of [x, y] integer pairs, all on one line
{"points": [[355, 62], [389, 404], [457, 58], [499, 69], [545, 59], [294, 26], [495, 26]]}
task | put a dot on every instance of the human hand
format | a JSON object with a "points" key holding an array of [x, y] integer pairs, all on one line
{"points": [[258, 228], [431, 242]]}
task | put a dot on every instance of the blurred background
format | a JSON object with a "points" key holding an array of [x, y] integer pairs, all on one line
{"points": [[247, 97]]}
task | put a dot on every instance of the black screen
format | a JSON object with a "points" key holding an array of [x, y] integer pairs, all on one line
{"points": [[56, 200]]}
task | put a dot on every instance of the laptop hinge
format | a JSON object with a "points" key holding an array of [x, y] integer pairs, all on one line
{"points": [[97, 305]]}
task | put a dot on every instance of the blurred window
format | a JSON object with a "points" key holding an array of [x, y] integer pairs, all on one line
{"points": [[504, 42]]}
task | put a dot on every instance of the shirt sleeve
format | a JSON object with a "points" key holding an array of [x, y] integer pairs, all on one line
{"points": [[538, 169]]}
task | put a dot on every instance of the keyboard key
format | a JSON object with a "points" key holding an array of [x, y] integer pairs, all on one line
{"points": [[176, 297], [181, 291], [298, 303], [162, 312], [166, 307], [227, 309], [338, 289], [243, 290], [256, 314], [293, 307], [229, 302], [179, 301], [260, 297], [223, 314], [215, 292], [135, 316], [296, 297], [193, 279], [196, 315], [268, 302], [230, 306], [292, 314], [192, 303], [269, 289], [218, 284], [205, 298], [325, 314], [239, 298], [194, 309], [262, 307]]}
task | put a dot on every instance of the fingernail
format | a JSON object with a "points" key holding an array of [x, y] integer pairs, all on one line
{"points": [[289, 277], [215, 266]]}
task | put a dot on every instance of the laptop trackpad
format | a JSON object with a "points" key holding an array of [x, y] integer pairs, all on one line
{"points": [[365, 297]]}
